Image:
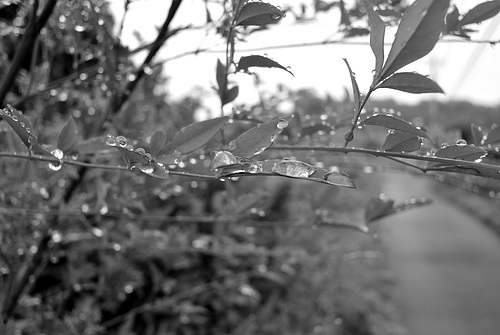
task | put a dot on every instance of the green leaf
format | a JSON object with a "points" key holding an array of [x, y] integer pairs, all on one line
{"points": [[355, 88], [258, 61], [481, 12], [477, 134], [392, 122], [68, 136], [493, 135], [257, 139], [195, 135], [411, 82], [258, 14], [157, 142], [398, 141], [417, 34], [377, 33], [23, 128]]}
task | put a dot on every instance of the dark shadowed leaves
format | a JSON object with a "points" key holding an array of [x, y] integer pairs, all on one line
{"points": [[411, 82], [377, 33], [258, 61], [195, 135], [481, 12], [258, 14], [398, 141], [452, 20], [68, 136], [257, 139], [391, 122], [417, 34]]}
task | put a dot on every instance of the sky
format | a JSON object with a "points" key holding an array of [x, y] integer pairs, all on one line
{"points": [[465, 71]]}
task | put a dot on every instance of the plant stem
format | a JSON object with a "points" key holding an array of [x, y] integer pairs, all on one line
{"points": [[358, 114]]}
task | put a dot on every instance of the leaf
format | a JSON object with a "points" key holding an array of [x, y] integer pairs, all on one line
{"points": [[417, 34], [378, 208], [398, 141], [355, 88], [293, 168], [338, 179], [452, 20], [258, 14], [493, 135], [377, 33], [258, 61], [411, 82], [68, 136], [257, 139], [230, 94], [461, 152], [23, 128], [481, 171], [220, 75], [391, 122], [195, 135], [157, 142], [481, 12]]}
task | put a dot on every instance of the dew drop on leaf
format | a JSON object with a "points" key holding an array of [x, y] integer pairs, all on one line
{"points": [[232, 145], [121, 140], [223, 158], [140, 151], [282, 124], [293, 168], [258, 152], [444, 145], [147, 168], [254, 167], [461, 143]]}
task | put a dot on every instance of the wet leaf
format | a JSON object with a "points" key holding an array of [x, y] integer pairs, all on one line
{"points": [[355, 88], [68, 136], [391, 122], [377, 33], [462, 152], [157, 142], [493, 135], [23, 128], [257, 139], [411, 82], [378, 208], [223, 159], [417, 34], [258, 61], [398, 141], [258, 14], [481, 12], [195, 135], [338, 179]]}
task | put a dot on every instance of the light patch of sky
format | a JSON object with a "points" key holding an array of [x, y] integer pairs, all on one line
{"points": [[465, 71]]}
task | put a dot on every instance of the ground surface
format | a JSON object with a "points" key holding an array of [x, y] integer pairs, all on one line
{"points": [[447, 265]]}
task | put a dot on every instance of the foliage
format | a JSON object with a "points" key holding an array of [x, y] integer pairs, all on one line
{"points": [[182, 238]]}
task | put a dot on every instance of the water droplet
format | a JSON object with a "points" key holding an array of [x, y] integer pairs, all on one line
{"points": [[392, 131], [223, 158], [444, 145], [232, 145], [111, 141], [282, 124], [147, 168], [57, 153], [122, 141], [461, 143], [140, 151], [254, 167], [79, 28], [258, 152], [15, 118]]}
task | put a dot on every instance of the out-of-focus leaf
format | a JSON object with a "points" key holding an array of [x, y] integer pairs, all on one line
{"points": [[398, 141], [68, 136], [378, 208], [195, 135], [157, 142], [377, 33], [258, 61], [481, 171], [477, 134], [493, 135], [345, 19], [392, 122], [481, 12], [23, 128], [258, 14], [354, 32], [355, 88], [257, 139], [91, 145], [411, 82], [318, 128], [417, 34]]}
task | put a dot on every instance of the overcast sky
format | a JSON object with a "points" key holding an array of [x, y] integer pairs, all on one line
{"points": [[465, 71]]}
